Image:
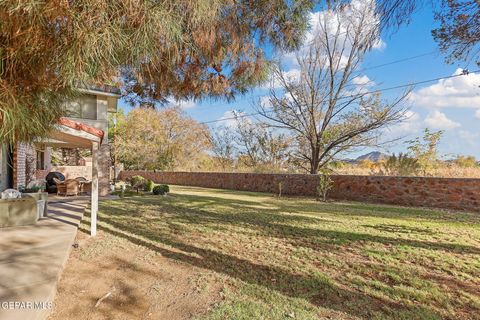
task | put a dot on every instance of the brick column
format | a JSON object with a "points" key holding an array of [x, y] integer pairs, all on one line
{"points": [[19, 160]]}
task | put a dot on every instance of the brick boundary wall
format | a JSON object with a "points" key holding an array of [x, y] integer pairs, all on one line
{"points": [[449, 193]]}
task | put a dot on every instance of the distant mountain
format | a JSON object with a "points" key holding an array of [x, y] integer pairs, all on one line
{"points": [[372, 156]]}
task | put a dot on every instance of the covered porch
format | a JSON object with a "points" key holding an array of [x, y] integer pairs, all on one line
{"points": [[71, 134]]}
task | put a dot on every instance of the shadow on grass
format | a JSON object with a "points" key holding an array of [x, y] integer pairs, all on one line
{"points": [[316, 288], [270, 223], [401, 229], [342, 208]]}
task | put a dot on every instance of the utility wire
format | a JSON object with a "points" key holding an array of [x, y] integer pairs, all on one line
{"points": [[361, 70], [359, 95], [397, 61]]}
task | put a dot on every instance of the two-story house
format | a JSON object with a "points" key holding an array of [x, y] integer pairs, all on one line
{"points": [[89, 112]]}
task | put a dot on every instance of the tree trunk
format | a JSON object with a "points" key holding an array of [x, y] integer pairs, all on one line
{"points": [[314, 163]]}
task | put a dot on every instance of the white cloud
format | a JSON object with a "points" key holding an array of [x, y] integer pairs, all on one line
{"points": [[363, 81], [292, 75], [359, 85], [265, 102], [379, 45], [356, 13], [477, 114], [438, 120], [459, 92], [410, 124], [470, 138], [337, 25], [228, 119], [184, 104]]}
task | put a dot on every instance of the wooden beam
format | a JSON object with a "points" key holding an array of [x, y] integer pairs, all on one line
{"points": [[94, 200]]}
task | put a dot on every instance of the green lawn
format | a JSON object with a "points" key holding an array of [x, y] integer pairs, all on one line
{"points": [[302, 259]]}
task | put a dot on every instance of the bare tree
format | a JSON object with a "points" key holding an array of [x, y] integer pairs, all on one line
{"points": [[250, 144], [222, 142], [259, 146], [247, 134], [326, 106], [275, 148]]}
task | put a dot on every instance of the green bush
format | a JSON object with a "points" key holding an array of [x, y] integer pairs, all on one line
{"points": [[161, 189], [149, 186], [325, 184], [400, 165], [137, 182]]}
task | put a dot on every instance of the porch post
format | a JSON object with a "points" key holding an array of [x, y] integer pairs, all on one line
{"points": [[94, 203]]}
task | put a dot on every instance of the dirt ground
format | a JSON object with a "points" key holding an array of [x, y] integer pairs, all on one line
{"points": [[134, 282]]}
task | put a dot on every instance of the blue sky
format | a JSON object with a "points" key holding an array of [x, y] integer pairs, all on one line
{"points": [[451, 105]]}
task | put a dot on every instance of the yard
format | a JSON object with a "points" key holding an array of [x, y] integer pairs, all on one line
{"points": [[217, 254]]}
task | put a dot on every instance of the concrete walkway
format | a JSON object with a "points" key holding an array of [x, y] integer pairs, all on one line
{"points": [[32, 259]]}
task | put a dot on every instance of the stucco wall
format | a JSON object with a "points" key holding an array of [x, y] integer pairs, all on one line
{"points": [[462, 194], [98, 106]]}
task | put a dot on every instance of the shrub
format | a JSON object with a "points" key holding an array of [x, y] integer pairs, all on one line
{"points": [[149, 186], [137, 182], [161, 189], [34, 189], [400, 165], [325, 184], [466, 161]]}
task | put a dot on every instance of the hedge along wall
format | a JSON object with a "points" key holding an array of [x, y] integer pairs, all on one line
{"points": [[462, 194]]}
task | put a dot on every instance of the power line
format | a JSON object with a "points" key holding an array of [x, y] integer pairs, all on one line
{"points": [[398, 61], [418, 82], [361, 94], [364, 69]]}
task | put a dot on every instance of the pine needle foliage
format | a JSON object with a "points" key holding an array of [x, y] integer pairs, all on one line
{"points": [[154, 49]]}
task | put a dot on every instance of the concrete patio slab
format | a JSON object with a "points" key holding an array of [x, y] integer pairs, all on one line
{"points": [[32, 259]]}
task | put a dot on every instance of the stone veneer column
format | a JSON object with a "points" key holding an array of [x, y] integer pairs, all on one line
{"points": [[103, 169]]}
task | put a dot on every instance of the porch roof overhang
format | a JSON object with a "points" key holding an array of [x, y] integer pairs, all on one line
{"points": [[71, 134]]}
